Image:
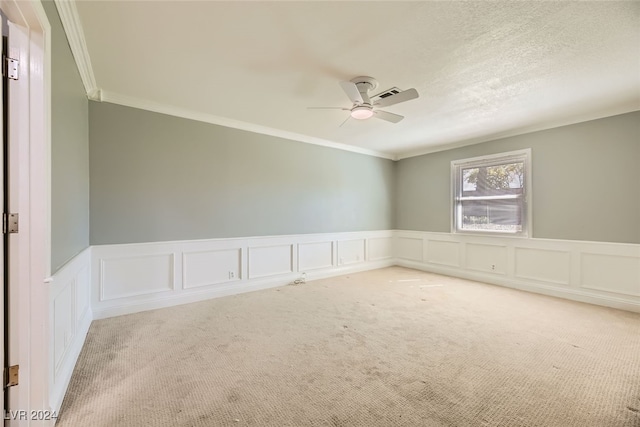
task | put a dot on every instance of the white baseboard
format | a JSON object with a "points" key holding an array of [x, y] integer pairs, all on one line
{"points": [[571, 294], [606, 274], [171, 300]]}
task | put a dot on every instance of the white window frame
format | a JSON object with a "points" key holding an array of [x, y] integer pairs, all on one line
{"points": [[495, 159]]}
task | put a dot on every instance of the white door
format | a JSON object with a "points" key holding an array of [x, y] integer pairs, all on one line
{"points": [[14, 171], [2, 294], [25, 313]]}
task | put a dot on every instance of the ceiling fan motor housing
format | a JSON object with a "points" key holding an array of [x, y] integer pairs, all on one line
{"points": [[365, 84]]}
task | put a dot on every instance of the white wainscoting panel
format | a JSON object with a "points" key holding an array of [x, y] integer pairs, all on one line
{"points": [[213, 267], [380, 248], [136, 275], [351, 251], [486, 258], [153, 275], [315, 255], [611, 273], [70, 318], [543, 265], [410, 248], [83, 291], [443, 252], [270, 261], [595, 272], [64, 321]]}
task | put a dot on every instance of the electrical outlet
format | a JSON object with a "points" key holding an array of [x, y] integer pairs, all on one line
{"points": [[493, 266], [232, 275]]}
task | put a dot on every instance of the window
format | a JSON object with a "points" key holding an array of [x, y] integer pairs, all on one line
{"points": [[491, 194]]}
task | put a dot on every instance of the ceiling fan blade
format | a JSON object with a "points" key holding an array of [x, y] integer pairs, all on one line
{"points": [[397, 98], [352, 92], [390, 117]]}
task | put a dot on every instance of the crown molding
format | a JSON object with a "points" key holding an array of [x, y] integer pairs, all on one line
{"points": [[625, 108], [143, 104], [75, 36]]}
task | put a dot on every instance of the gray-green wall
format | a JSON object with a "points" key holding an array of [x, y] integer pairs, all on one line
{"points": [[157, 178], [586, 181], [69, 149]]}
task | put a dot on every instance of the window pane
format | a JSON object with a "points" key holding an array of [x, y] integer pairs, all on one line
{"points": [[493, 180], [469, 178], [492, 215]]}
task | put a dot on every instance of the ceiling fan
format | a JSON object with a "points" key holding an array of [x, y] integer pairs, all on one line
{"points": [[358, 88]]}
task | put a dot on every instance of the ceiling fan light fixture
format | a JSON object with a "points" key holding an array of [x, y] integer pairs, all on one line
{"points": [[361, 112]]}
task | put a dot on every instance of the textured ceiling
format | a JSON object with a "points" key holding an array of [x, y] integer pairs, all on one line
{"points": [[482, 69]]}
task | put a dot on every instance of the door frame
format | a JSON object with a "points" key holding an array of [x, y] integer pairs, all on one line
{"points": [[34, 186]]}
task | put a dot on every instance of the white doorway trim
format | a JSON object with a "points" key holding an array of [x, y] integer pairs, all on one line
{"points": [[34, 255]]}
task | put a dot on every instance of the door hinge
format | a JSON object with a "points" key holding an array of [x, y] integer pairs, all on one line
{"points": [[11, 376], [9, 223], [10, 69]]}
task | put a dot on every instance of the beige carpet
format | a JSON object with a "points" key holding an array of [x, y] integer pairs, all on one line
{"points": [[391, 347]]}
